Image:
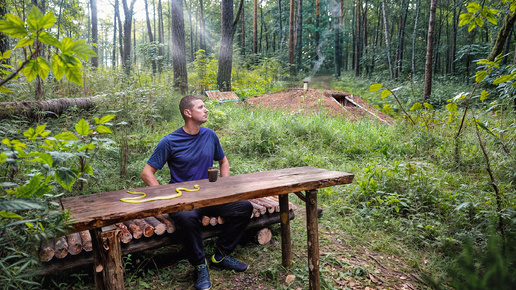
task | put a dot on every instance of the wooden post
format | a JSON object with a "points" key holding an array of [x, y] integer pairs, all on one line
{"points": [[108, 269], [286, 246], [312, 229]]}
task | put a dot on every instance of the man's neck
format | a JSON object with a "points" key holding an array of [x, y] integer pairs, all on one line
{"points": [[192, 129]]}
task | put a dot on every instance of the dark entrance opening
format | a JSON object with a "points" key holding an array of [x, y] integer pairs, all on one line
{"points": [[343, 100]]}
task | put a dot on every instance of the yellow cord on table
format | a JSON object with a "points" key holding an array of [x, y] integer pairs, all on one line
{"points": [[138, 199]]}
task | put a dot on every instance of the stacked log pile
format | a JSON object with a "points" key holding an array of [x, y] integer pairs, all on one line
{"points": [[133, 233]]}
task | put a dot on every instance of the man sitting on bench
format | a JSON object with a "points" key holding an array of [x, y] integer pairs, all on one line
{"points": [[189, 152]]}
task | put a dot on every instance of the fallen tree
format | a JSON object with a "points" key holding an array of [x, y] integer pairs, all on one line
{"points": [[32, 109]]}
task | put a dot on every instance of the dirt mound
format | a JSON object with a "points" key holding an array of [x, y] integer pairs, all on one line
{"points": [[310, 101]]}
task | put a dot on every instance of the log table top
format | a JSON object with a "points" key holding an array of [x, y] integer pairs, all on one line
{"points": [[102, 209]]}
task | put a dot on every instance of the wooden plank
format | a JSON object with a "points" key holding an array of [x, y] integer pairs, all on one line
{"points": [[97, 210]]}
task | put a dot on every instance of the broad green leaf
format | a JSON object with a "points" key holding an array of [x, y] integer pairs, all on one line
{"points": [[6, 54], [31, 70], [491, 18], [480, 76], [452, 107], [104, 119], [375, 87], [88, 146], [42, 157], [479, 22], [40, 129], [483, 95], [20, 204], [502, 79], [471, 26], [66, 136], [417, 106], [58, 67], [38, 21], [44, 67], [103, 129], [13, 26], [3, 157], [60, 157], [9, 215], [428, 106], [30, 133], [385, 94], [465, 19], [24, 42], [78, 47], [5, 90], [88, 169], [474, 7], [47, 38], [82, 127], [28, 190], [66, 177], [73, 74]]}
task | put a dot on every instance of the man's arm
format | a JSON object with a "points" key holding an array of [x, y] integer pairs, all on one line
{"points": [[224, 167], [148, 175]]}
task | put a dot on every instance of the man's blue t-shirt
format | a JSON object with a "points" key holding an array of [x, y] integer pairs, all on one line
{"points": [[188, 156]]}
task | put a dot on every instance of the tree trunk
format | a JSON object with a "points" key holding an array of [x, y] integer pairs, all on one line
{"points": [[192, 47], [299, 37], [358, 38], [202, 30], [113, 56], [226, 46], [255, 27], [4, 41], [161, 37], [151, 37], [291, 48], [336, 32], [178, 47], [242, 28], [387, 46], [120, 33], [128, 21], [56, 107], [317, 23], [401, 38], [429, 52], [94, 33], [503, 33], [414, 37]]}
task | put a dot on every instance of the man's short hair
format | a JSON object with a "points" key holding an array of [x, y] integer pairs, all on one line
{"points": [[187, 103]]}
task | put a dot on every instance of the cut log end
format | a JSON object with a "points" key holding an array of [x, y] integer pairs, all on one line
{"points": [[264, 236]]}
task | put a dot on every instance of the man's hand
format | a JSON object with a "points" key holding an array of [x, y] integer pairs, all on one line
{"points": [[148, 175]]}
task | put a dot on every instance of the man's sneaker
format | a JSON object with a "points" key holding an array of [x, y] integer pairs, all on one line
{"points": [[228, 263], [203, 277]]}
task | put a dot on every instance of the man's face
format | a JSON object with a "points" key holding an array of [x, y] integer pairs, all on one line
{"points": [[198, 113]]}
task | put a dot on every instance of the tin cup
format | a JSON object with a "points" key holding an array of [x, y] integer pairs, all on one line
{"points": [[213, 173]]}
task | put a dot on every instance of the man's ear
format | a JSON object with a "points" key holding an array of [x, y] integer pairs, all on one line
{"points": [[188, 113]]}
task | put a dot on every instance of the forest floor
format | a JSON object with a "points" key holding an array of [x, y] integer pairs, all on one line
{"points": [[346, 262]]}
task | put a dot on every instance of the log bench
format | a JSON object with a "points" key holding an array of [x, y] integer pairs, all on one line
{"points": [[74, 250]]}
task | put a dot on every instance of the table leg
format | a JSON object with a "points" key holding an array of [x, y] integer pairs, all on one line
{"points": [[108, 269], [312, 229], [286, 245]]}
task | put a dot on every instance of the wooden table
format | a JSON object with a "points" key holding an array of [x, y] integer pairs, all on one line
{"points": [[95, 211]]}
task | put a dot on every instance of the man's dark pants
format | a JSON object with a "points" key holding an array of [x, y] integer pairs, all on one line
{"points": [[237, 216]]}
